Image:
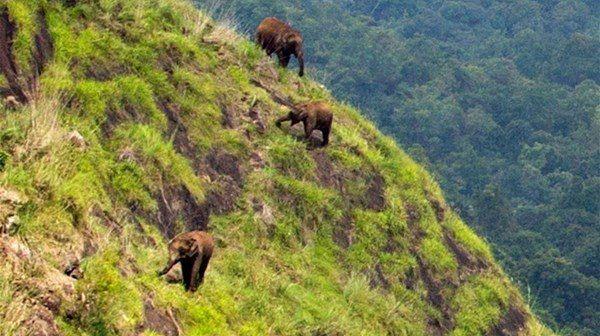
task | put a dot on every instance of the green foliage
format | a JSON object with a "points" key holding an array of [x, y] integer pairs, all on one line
{"points": [[369, 238], [129, 180], [290, 157], [153, 148], [479, 304], [116, 304], [438, 256], [467, 237], [24, 17], [136, 98]]}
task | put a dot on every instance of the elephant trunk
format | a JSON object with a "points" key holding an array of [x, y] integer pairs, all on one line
{"points": [[300, 56], [173, 259]]}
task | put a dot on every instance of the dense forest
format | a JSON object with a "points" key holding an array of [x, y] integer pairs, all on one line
{"points": [[500, 99]]}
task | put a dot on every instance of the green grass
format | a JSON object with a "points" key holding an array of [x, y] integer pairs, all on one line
{"points": [[479, 304]]}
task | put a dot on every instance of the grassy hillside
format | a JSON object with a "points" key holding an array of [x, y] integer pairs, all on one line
{"points": [[176, 115]]}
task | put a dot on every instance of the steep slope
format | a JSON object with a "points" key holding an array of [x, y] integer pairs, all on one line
{"points": [[150, 119]]}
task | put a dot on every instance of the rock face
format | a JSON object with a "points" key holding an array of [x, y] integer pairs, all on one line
{"points": [[127, 155], [14, 250], [11, 102], [41, 323], [10, 202], [76, 139]]}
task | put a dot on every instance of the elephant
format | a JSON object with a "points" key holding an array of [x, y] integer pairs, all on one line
{"points": [[193, 250], [314, 116], [276, 36]]}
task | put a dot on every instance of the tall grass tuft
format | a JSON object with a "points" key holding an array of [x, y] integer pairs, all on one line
{"points": [[43, 127]]}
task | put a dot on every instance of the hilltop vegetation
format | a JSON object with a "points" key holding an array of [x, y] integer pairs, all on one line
{"points": [[500, 100], [150, 119]]}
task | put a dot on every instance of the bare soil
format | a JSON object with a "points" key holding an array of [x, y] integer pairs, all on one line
{"points": [[158, 320]]}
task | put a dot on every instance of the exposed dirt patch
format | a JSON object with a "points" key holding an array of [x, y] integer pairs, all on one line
{"points": [[179, 132], [374, 198], [413, 215], [41, 323], [235, 114], [226, 174], [275, 95], [438, 206], [468, 263], [377, 278], [177, 210], [266, 69], [255, 116], [343, 233], [43, 51], [107, 219], [434, 287], [44, 45], [327, 173], [224, 170], [411, 279], [70, 3], [159, 320], [219, 162], [332, 176], [171, 56], [436, 298], [257, 161], [177, 204], [98, 69], [8, 65], [222, 197], [116, 116], [230, 116], [512, 323]]}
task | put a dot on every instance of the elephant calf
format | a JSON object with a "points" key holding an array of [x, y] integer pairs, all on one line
{"points": [[193, 250], [278, 37], [314, 116]]}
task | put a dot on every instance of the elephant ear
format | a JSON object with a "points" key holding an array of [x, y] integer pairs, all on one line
{"points": [[299, 110], [303, 114]]}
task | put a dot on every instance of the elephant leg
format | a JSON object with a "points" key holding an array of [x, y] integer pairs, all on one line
{"points": [[186, 270], [325, 131], [284, 59], [194, 273], [309, 127], [268, 50], [203, 267]]}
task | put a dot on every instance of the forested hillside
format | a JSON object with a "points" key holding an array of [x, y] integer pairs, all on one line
{"points": [[500, 99], [125, 123]]}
